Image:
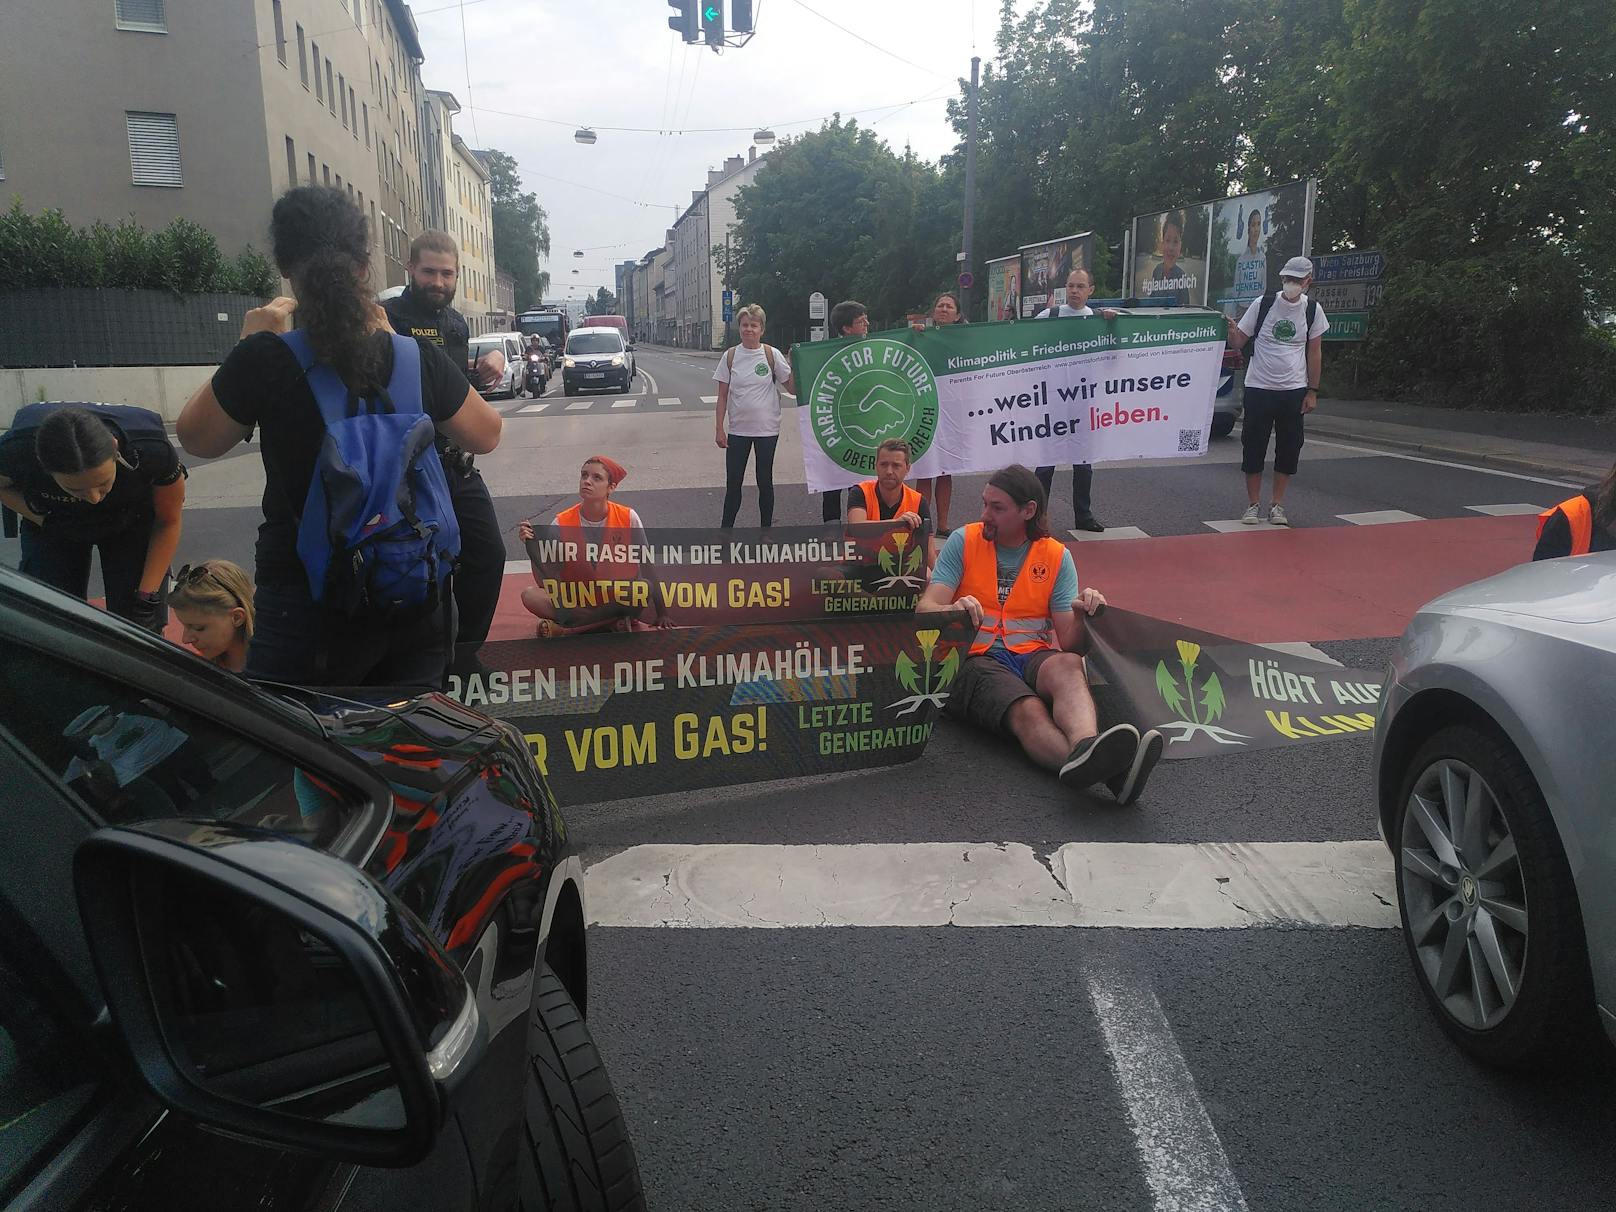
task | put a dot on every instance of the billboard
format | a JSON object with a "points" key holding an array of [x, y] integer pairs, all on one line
{"points": [[1004, 288], [1253, 235], [1044, 268], [1169, 260]]}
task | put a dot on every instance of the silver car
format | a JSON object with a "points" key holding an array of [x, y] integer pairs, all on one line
{"points": [[1496, 757]]}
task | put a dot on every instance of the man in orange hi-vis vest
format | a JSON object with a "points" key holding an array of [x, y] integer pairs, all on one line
{"points": [[1020, 587], [888, 498]]}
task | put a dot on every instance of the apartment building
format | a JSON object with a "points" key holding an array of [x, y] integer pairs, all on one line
{"points": [[471, 222], [160, 110], [706, 224]]}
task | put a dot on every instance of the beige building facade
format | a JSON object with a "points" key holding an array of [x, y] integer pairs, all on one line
{"points": [[471, 223]]}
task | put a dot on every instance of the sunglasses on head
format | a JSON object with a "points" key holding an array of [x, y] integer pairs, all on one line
{"points": [[197, 574]]}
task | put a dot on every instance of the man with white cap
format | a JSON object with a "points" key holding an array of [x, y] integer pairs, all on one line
{"points": [[1282, 382]]}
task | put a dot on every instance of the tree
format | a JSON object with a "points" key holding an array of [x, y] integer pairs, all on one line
{"points": [[521, 230], [602, 303]]}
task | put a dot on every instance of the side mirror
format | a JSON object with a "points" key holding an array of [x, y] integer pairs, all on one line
{"points": [[273, 992], [630, 347]]}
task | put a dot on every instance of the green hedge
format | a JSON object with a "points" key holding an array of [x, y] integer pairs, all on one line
{"points": [[47, 250]]}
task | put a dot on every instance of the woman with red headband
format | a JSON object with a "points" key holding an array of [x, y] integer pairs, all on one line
{"points": [[594, 594]]}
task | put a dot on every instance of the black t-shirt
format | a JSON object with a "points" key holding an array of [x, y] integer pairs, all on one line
{"points": [[262, 385], [152, 463], [855, 500]]}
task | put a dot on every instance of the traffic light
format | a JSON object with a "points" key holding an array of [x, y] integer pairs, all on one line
{"points": [[740, 16], [686, 21], [712, 21]]}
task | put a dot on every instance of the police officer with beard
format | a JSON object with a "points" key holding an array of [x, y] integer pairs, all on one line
{"points": [[423, 312]]}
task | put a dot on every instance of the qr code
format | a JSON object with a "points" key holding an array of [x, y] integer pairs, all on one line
{"points": [[1189, 439]]}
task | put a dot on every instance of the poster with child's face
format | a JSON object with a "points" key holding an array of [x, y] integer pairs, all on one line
{"points": [[1170, 261], [1253, 235]]}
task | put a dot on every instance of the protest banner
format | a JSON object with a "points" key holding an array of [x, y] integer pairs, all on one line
{"points": [[694, 578], [1209, 694], [1044, 268], [1253, 235], [978, 397], [613, 716], [1004, 288]]}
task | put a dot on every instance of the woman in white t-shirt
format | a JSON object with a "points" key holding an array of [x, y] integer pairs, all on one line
{"points": [[749, 377]]}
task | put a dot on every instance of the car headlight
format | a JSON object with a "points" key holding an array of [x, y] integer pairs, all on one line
{"points": [[568, 363], [617, 359]]}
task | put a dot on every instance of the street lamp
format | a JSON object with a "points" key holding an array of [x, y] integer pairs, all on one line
{"points": [[763, 137], [583, 135], [578, 252]]}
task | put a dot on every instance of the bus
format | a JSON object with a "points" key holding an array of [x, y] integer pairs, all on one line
{"points": [[549, 323]]}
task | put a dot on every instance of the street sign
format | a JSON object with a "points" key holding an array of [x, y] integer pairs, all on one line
{"points": [[729, 297], [1347, 326], [1354, 266], [729, 311], [816, 306], [817, 333], [967, 280]]}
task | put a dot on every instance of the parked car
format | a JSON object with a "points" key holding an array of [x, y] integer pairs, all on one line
{"points": [[596, 357], [1494, 758], [1230, 400], [513, 378], [277, 948]]}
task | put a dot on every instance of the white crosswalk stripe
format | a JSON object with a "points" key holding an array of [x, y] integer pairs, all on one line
{"points": [[532, 408], [1380, 517], [624, 403], [709, 399], [667, 401], [580, 405], [1505, 511], [1110, 532]]}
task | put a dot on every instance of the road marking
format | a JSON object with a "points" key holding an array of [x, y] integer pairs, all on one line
{"points": [[1491, 471], [514, 566], [1380, 517], [1505, 511], [1177, 1144], [668, 401], [1303, 649], [533, 408], [580, 405], [1132, 885], [624, 403], [1110, 532], [1235, 525], [709, 399], [649, 380]]}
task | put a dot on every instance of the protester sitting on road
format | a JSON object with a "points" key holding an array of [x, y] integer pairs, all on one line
{"points": [[749, 376], [1019, 587], [214, 602], [96, 477], [945, 310], [322, 245], [887, 498], [599, 520], [1079, 286], [1581, 524], [849, 318]]}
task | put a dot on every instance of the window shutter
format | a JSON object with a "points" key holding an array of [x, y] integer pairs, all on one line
{"points": [[154, 149], [142, 14]]}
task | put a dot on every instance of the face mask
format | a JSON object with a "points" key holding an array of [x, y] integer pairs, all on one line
{"points": [[1293, 291]]}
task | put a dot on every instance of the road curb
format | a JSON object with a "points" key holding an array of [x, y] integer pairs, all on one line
{"points": [[714, 354], [1520, 464]]}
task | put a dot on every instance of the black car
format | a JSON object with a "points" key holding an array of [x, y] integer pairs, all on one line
{"points": [[263, 948]]}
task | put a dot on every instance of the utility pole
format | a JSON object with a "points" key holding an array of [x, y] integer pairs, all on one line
{"points": [[966, 271]]}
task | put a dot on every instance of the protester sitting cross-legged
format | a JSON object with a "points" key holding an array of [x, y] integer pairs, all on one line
{"points": [[887, 498], [1019, 586], [597, 593], [354, 601], [214, 602]]}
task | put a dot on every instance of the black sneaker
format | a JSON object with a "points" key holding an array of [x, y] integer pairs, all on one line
{"points": [[1089, 523], [1130, 784], [1101, 757]]}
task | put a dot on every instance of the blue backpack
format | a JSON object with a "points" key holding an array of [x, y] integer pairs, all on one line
{"points": [[377, 535]]}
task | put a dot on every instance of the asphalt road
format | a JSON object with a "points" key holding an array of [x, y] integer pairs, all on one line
{"points": [[1013, 1067]]}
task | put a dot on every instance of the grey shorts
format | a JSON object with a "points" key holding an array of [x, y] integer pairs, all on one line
{"points": [[988, 688]]}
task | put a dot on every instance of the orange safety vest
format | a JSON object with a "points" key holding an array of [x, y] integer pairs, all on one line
{"points": [[1023, 620], [1580, 514], [619, 528], [910, 502]]}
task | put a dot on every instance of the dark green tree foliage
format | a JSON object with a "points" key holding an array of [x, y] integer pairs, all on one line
{"points": [[521, 230], [602, 303], [47, 250]]}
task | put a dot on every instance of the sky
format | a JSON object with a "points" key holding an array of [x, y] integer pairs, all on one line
{"points": [[606, 63]]}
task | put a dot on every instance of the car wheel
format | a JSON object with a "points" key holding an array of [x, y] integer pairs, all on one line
{"points": [[1222, 424], [568, 389], [1490, 913], [578, 1152]]}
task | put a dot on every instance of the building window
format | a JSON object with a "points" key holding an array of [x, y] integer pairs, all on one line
{"points": [[311, 168], [325, 173], [302, 59], [339, 181], [353, 114], [319, 92], [330, 95], [342, 96], [144, 15], [291, 163], [154, 149], [364, 110], [280, 32]]}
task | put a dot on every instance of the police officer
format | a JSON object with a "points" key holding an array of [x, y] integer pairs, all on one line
{"points": [[423, 312], [96, 477]]}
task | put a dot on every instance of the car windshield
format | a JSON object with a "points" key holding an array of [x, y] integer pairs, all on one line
{"points": [[594, 343], [480, 347]]}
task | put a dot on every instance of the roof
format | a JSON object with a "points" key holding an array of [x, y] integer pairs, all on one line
{"points": [[405, 20], [471, 158]]}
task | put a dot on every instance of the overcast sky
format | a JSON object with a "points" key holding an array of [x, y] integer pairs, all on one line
{"points": [[605, 63]]}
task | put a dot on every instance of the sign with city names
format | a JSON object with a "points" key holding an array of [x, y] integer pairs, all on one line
{"points": [[1348, 285], [978, 397]]}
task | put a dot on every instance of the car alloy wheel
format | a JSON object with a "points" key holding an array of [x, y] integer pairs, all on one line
{"points": [[1464, 893]]}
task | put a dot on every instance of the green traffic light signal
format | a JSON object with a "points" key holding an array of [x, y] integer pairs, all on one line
{"points": [[712, 21]]}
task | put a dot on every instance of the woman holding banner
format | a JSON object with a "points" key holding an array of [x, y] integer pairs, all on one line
{"points": [[938, 491], [595, 594]]}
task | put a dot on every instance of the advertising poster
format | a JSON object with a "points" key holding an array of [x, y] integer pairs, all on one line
{"points": [[1044, 268], [620, 715], [1004, 288], [1253, 236], [975, 398], [1170, 256], [704, 578]]}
